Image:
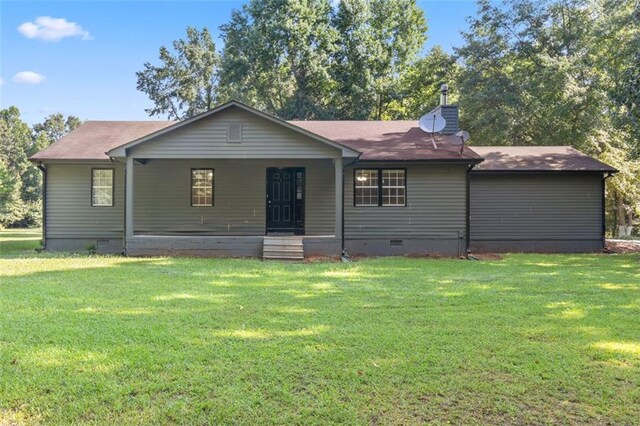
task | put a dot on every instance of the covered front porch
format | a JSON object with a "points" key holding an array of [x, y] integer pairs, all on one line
{"points": [[167, 212], [218, 183]]}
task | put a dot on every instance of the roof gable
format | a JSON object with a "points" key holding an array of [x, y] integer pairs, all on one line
{"points": [[178, 131]]}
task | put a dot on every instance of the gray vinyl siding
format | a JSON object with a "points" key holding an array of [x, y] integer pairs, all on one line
{"points": [[162, 193], [69, 211], [450, 115], [436, 206], [536, 208], [261, 138]]}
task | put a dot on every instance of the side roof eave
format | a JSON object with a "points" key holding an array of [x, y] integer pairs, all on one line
{"points": [[121, 151], [611, 171]]}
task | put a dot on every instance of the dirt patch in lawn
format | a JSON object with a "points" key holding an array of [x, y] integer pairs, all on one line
{"points": [[487, 256], [321, 259]]}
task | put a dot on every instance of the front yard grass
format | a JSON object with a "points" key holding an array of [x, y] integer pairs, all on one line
{"points": [[113, 340]]}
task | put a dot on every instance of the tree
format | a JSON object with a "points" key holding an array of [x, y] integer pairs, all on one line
{"points": [[617, 34], [9, 196], [353, 67], [419, 88], [187, 81], [54, 127], [277, 56], [379, 41], [400, 27], [15, 141], [297, 59]]}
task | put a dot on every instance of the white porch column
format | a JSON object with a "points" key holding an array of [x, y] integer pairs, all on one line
{"points": [[128, 205], [339, 187]]}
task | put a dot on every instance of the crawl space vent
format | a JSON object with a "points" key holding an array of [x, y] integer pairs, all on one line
{"points": [[395, 243], [234, 132]]}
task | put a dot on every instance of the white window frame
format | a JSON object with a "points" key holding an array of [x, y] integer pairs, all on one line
{"points": [[383, 186], [193, 186], [380, 186], [110, 186], [356, 187]]}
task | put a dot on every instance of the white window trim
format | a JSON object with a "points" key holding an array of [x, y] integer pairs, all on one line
{"points": [[381, 187], [404, 178], [203, 186], [110, 186]]}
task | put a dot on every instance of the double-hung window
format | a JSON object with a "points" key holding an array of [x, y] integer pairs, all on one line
{"points": [[380, 187], [202, 187], [102, 187], [367, 189]]}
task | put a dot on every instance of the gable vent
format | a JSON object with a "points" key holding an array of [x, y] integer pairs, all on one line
{"points": [[234, 132]]}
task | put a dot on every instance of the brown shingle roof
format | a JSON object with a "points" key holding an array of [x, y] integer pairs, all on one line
{"points": [[92, 139], [388, 140], [376, 140], [537, 158]]}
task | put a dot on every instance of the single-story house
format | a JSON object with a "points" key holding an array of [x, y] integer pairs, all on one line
{"points": [[235, 181]]}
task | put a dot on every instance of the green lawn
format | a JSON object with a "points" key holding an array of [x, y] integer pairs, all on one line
{"points": [[19, 241], [525, 339]]}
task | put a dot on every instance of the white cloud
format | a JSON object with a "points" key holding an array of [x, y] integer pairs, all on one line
{"points": [[28, 77], [52, 29], [1, 82]]}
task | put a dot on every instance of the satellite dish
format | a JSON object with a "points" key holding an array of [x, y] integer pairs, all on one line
{"points": [[432, 123], [463, 136]]}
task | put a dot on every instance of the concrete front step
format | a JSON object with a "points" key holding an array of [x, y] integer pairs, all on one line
{"points": [[283, 257]]}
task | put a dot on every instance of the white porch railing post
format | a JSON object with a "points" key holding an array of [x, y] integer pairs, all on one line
{"points": [[339, 188], [128, 205]]}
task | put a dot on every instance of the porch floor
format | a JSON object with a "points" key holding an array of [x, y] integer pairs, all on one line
{"points": [[210, 245]]}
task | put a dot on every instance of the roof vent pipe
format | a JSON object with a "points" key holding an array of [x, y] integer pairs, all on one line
{"points": [[444, 89]]}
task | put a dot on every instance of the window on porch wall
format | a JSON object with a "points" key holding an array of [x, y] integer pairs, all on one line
{"points": [[202, 187]]}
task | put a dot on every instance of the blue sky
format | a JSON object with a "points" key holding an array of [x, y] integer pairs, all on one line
{"points": [[90, 73]]}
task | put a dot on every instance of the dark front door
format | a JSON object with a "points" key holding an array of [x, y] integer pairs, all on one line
{"points": [[285, 200]]}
